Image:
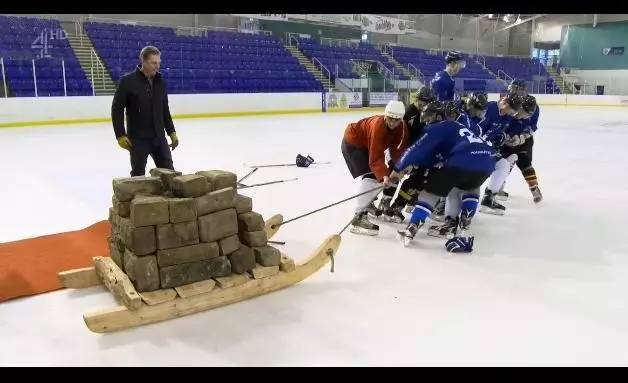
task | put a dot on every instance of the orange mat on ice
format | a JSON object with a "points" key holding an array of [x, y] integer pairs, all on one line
{"points": [[30, 266]]}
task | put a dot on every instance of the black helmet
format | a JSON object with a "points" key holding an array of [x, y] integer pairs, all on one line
{"points": [[453, 56], [518, 86], [450, 110], [476, 104], [528, 104], [432, 112], [477, 100], [514, 100], [425, 94]]}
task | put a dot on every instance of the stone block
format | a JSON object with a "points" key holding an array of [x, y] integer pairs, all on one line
{"points": [[215, 201], [193, 253], [182, 210], [142, 270], [242, 260], [123, 209], [267, 256], [149, 211], [126, 188], [254, 238], [166, 176], [177, 235], [218, 225], [229, 245], [219, 179], [187, 273], [140, 240], [250, 221], [243, 204], [189, 185]]}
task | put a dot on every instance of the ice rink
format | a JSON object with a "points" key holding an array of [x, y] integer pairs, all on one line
{"points": [[546, 284]]}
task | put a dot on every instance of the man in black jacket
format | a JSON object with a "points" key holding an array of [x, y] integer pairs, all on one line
{"points": [[143, 94]]}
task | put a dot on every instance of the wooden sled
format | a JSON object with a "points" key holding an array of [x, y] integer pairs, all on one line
{"points": [[145, 308]]}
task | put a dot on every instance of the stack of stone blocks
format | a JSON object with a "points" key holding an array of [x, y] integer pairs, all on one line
{"points": [[172, 230]]}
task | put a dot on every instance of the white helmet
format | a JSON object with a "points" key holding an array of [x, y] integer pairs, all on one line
{"points": [[395, 109]]}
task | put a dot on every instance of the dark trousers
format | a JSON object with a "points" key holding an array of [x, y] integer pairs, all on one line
{"points": [[523, 152], [156, 147]]}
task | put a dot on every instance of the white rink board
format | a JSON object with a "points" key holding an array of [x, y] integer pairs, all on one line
{"points": [[22, 109]]}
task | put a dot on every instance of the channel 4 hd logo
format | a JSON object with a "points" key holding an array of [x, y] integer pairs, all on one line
{"points": [[46, 41]]}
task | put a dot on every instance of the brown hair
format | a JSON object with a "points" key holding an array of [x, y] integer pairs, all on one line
{"points": [[149, 50]]}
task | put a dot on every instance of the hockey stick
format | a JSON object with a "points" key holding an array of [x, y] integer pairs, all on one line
{"points": [[277, 165], [265, 183]]}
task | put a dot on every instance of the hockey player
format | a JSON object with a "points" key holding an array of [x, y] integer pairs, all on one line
{"points": [[443, 84], [411, 186], [519, 141], [452, 112], [475, 109], [518, 87], [499, 115], [424, 96], [412, 117], [468, 161], [363, 147]]}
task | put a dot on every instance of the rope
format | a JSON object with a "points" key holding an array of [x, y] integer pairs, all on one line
{"points": [[327, 207], [276, 165], [246, 176], [265, 183]]}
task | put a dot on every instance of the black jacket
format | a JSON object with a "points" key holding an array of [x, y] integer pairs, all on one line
{"points": [[413, 119], [147, 111]]}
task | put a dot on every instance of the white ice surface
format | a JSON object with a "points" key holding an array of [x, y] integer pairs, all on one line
{"points": [[546, 284]]}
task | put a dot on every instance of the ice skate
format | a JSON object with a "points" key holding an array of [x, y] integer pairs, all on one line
{"points": [[490, 206], [393, 215], [406, 235], [361, 225], [536, 194], [446, 230]]}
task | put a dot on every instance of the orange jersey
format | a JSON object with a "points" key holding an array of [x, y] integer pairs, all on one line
{"points": [[371, 133]]}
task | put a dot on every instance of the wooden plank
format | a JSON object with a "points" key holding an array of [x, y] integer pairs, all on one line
{"points": [[119, 318], [156, 297], [117, 282], [231, 280], [195, 288], [79, 278], [270, 225], [286, 263], [260, 271]]}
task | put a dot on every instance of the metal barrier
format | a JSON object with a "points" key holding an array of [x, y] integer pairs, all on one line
{"points": [[315, 60], [4, 79]]}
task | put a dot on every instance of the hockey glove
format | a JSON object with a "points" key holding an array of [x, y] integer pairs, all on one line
{"points": [[304, 162], [124, 142], [460, 245], [174, 139]]}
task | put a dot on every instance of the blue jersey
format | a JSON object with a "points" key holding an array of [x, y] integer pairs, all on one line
{"points": [[493, 125], [459, 148], [526, 125], [443, 86], [476, 125]]}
